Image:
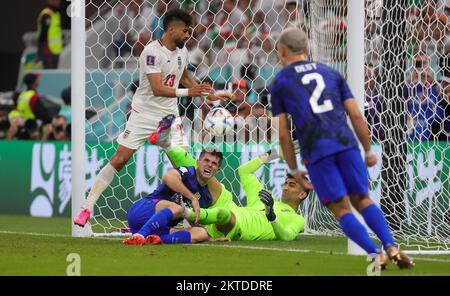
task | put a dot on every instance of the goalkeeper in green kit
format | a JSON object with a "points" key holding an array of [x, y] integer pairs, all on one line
{"points": [[264, 217]]}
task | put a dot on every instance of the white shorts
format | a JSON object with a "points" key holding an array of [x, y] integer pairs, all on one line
{"points": [[139, 127]]}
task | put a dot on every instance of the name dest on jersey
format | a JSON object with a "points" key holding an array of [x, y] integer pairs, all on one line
{"points": [[305, 68]]}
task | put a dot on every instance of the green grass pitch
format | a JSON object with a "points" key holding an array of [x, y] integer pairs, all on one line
{"points": [[39, 246]]}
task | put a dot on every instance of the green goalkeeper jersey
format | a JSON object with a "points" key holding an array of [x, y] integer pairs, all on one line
{"points": [[288, 223], [251, 221], [252, 224]]}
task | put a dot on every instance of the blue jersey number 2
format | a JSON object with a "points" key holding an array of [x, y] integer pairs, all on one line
{"points": [[315, 96]]}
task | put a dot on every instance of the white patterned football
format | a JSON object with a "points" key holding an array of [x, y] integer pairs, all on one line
{"points": [[218, 122]]}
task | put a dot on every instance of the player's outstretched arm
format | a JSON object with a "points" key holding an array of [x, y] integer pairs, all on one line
{"points": [[288, 231], [283, 231], [286, 143], [173, 179], [161, 90], [250, 183], [361, 129], [288, 149], [189, 82]]}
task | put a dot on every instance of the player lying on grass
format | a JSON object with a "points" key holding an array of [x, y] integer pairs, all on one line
{"points": [[250, 222], [161, 209], [264, 217], [193, 184], [162, 68]]}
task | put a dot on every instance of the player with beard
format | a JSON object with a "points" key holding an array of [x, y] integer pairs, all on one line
{"points": [[164, 208], [163, 66]]}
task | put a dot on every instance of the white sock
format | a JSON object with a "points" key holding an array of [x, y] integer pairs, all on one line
{"points": [[187, 212], [101, 182]]}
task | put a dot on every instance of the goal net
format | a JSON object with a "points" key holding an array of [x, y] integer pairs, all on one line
{"points": [[232, 47], [406, 49]]}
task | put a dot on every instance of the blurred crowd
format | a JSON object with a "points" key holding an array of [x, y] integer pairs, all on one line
{"points": [[34, 117], [233, 48], [233, 44], [426, 92]]}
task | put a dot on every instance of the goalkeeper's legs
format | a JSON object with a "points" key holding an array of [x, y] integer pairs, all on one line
{"points": [[102, 181], [223, 218], [179, 157], [377, 222], [219, 216]]}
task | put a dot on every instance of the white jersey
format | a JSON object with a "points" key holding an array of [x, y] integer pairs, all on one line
{"points": [[156, 58]]}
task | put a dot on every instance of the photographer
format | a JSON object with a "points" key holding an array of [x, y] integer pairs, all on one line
{"points": [[28, 131], [422, 95], [57, 130]]}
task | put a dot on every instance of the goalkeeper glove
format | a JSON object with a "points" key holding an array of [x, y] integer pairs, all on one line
{"points": [[269, 155], [275, 153], [267, 200]]}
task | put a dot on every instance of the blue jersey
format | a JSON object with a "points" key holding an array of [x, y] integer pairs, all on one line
{"points": [[189, 179], [423, 110], [313, 94]]}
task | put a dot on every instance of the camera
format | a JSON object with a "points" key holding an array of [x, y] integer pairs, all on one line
{"points": [[58, 128], [4, 124]]}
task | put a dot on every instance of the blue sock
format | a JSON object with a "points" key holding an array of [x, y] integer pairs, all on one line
{"points": [[358, 233], [179, 237], [375, 220], [162, 218]]}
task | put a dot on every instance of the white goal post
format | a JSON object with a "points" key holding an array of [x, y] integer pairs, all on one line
{"points": [[78, 139]]}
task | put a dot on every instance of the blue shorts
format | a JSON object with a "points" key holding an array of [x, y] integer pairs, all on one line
{"points": [[338, 175], [140, 212]]}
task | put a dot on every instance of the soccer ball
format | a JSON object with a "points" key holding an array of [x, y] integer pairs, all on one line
{"points": [[218, 122]]}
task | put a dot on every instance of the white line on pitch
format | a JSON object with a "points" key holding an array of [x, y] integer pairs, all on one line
{"points": [[268, 249], [34, 233], [52, 235], [220, 246], [305, 251], [430, 259]]}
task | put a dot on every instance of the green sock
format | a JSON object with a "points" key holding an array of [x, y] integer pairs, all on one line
{"points": [[180, 157], [220, 216]]}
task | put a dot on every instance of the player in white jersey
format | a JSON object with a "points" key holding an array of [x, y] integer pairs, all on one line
{"points": [[150, 104], [162, 68]]}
